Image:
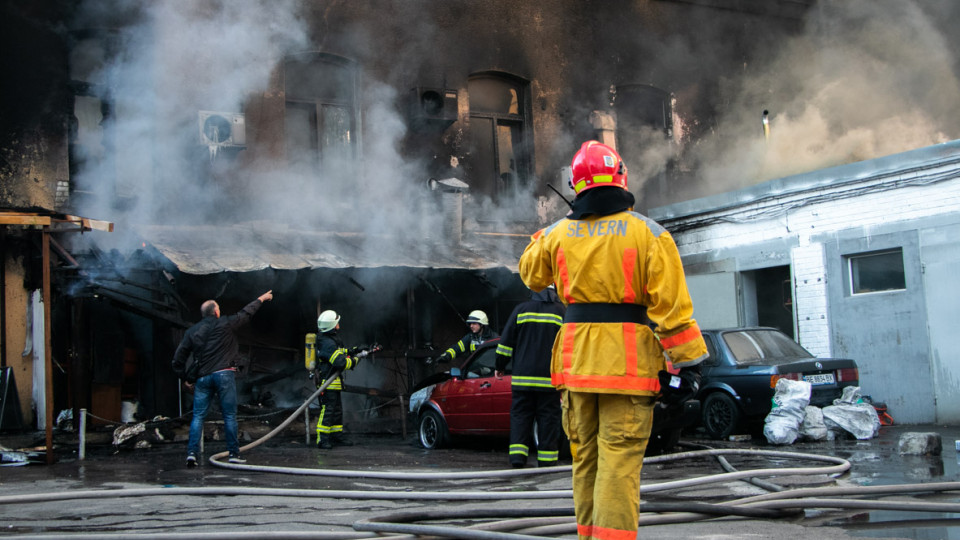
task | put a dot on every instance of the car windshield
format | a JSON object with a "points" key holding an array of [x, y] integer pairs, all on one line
{"points": [[755, 346], [482, 365]]}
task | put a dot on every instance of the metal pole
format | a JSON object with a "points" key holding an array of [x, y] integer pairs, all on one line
{"points": [[306, 425], [3, 298], [403, 418], [83, 434], [47, 343]]}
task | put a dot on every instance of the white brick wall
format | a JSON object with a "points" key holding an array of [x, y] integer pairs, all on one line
{"points": [[810, 298]]}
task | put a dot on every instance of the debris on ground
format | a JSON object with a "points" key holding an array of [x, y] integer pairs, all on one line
{"points": [[143, 434], [920, 444]]}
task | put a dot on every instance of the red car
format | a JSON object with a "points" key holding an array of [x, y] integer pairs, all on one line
{"points": [[469, 400], [472, 400]]}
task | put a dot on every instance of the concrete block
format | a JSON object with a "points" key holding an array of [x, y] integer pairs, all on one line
{"points": [[920, 444]]}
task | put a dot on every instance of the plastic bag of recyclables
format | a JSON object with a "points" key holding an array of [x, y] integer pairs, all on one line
{"points": [[782, 424], [849, 413], [813, 427]]}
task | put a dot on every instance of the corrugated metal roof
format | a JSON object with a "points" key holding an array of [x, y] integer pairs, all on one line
{"points": [[893, 167], [247, 247]]}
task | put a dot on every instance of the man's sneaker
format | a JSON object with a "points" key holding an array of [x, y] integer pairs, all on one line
{"points": [[191, 461], [236, 459]]}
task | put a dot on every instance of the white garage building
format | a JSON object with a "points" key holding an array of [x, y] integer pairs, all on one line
{"points": [[859, 261]]}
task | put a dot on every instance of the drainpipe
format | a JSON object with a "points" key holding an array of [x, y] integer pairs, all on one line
{"points": [[451, 206]]}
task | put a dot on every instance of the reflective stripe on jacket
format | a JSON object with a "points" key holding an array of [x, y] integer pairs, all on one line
{"points": [[331, 355], [620, 258], [528, 340], [471, 341]]}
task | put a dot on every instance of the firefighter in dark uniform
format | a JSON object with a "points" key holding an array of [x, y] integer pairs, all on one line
{"points": [[480, 332], [331, 360], [528, 339]]}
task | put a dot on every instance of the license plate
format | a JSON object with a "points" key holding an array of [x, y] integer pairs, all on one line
{"points": [[820, 378]]}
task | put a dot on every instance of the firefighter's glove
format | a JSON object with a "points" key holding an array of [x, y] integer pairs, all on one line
{"points": [[357, 356], [676, 389], [440, 359]]}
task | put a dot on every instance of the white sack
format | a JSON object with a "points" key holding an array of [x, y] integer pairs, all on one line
{"points": [[782, 424], [813, 427], [852, 415]]}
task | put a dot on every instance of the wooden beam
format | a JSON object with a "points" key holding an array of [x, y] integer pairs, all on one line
{"points": [[89, 224], [21, 218], [40, 219]]}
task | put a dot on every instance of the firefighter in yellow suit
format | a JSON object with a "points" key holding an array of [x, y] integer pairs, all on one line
{"points": [[620, 275]]}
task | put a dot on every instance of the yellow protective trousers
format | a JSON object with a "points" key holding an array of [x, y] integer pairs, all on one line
{"points": [[609, 433]]}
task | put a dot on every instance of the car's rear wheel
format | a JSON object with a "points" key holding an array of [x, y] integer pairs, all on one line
{"points": [[432, 430], [720, 415]]}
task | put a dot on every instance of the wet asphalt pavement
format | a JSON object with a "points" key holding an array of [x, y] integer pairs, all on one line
{"points": [[159, 498]]}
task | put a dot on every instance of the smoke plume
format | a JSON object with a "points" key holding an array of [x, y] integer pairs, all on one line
{"points": [[866, 78]]}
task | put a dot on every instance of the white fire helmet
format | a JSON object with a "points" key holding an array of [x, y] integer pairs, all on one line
{"points": [[327, 321], [477, 316]]}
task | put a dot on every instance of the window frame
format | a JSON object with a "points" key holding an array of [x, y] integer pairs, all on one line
{"points": [[850, 273], [319, 104], [519, 124]]}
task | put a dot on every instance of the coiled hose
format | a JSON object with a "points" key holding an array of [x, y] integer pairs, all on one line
{"points": [[512, 523]]}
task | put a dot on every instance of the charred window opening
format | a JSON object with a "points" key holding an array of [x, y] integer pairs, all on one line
{"points": [[644, 132], [89, 143], [501, 163], [321, 115]]}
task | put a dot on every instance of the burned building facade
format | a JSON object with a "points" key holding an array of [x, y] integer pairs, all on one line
{"points": [[384, 159]]}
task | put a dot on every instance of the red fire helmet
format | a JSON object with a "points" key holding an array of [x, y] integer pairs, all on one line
{"points": [[595, 165]]}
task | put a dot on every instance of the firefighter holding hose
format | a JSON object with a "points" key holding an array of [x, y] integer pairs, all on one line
{"points": [[326, 358], [620, 276]]}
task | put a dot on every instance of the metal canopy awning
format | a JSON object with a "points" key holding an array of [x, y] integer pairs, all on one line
{"points": [[249, 247]]}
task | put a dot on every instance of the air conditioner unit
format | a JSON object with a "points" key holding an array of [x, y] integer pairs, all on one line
{"points": [[434, 108], [222, 129]]}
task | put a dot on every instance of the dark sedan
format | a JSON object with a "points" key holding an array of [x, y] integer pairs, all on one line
{"points": [[744, 365], [472, 400]]}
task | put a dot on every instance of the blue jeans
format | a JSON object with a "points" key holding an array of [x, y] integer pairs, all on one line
{"points": [[223, 383]]}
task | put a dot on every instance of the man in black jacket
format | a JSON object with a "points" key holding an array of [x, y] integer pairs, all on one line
{"points": [[213, 343], [528, 339]]}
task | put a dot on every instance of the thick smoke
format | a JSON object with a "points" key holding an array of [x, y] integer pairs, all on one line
{"points": [[224, 56], [866, 78]]}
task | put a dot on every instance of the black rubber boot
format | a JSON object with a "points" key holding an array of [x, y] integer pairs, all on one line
{"points": [[324, 443], [341, 440]]}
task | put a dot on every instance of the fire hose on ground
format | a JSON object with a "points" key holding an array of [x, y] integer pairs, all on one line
{"points": [[525, 523]]}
